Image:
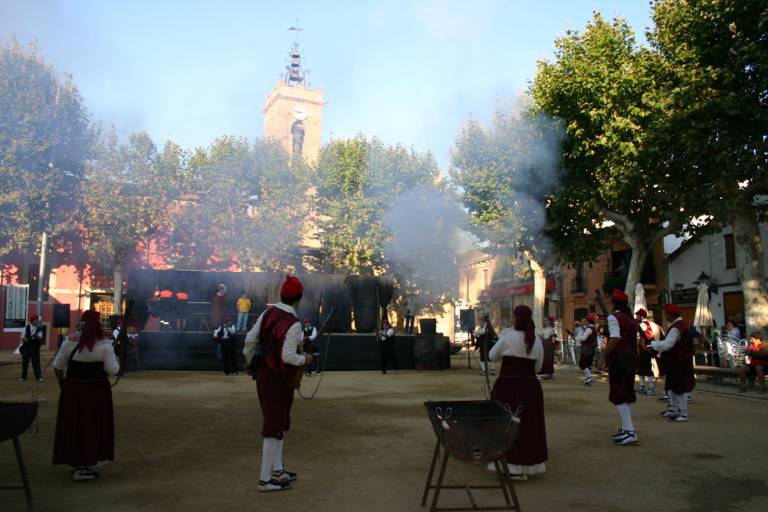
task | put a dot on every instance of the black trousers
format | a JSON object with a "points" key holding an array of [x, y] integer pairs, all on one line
{"points": [[27, 355], [228, 356], [388, 355], [409, 324]]}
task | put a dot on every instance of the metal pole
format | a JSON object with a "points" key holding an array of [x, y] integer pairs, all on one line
{"points": [[41, 274]]}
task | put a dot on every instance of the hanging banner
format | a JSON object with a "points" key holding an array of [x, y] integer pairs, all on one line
{"points": [[16, 304]]}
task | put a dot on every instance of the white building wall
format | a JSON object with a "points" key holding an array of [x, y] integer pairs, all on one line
{"points": [[708, 255]]}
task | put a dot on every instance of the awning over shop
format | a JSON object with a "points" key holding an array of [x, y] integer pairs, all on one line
{"points": [[513, 291]]}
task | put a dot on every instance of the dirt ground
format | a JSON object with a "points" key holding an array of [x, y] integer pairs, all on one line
{"points": [[189, 441]]}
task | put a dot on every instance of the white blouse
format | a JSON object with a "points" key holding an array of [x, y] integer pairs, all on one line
{"points": [[102, 352], [512, 343]]}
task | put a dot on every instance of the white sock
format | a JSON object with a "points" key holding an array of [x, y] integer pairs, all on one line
{"points": [[493, 366], [626, 417], [650, 381], [587, 373], [642, 381], [482, 366], [682, 403], [268, 450], [277, 463]]}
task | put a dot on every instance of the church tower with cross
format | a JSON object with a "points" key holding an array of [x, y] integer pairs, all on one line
{"points": [[293, 113]]}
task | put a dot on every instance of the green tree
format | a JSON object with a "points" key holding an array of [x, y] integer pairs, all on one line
{"points": [[244, 203], [618, 173], [506, 175], [716, 57], [356, 182], [44, 141], [128, 198]]}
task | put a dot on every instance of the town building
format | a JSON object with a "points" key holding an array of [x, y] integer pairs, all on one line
{"points": [[710, 259]]}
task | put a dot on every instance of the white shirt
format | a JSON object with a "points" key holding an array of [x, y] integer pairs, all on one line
{"points": [[546, 332], [228, 332], [481, 330], [102, 352], [585, 333], [313, 335], [614, 330], [388, 334], [512, 343], [673, 335], [293, 338]]}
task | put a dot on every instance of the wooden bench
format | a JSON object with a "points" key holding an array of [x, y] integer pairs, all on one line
{"points": [[715, 372]]}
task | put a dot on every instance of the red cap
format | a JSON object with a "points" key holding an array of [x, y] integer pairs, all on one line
{"points": [[33, 318], [385, 321], [672, 309], [619, 296], [292, 289], [227, 318], [590, 317], [642, 313]]}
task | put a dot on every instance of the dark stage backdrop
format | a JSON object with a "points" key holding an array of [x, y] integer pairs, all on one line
{"points": [[360, 296]]}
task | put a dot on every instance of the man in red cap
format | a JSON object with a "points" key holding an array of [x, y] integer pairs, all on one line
{"points": [[677, 353], [644, 352], [30, 348], [621, 359], [587, 338], [274, 342]]}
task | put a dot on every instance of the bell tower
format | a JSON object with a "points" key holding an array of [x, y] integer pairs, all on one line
{"points": [[293, 113]]}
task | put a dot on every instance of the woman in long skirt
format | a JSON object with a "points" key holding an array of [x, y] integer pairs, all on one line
{"points": [[85, 432], [547, 335], [521, 354]]}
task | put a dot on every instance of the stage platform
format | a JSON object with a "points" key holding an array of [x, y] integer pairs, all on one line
{"points": [[195, 350]]}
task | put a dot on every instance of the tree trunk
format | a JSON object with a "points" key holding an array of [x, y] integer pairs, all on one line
{"points": [[640, 253], [117, 299], [749, 263], [539, 291]]}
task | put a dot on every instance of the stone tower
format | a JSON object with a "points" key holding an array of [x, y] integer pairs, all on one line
{"points": [[293, 113]]}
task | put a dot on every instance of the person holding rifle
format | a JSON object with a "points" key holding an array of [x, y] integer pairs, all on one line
{"points": [[588, 341], [386, 338], [677, 351], [485, 337], [272, 356], [621, 359], [31, 342], [645, 353]]}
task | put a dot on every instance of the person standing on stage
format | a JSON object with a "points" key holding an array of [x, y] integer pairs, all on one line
{"points": [[621, 360], [547, 336], [217, 306], [410, 314], [645, 356], [182, 310], [31, 342], [522, 354], [588, 341], [225, 337], [85, 430], [277, 333], [485, 337], [243, 309], [386, 339], [677, 351]]}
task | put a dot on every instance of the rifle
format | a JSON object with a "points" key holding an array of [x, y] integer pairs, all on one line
{"points": [[298, 372], [122, 340]]}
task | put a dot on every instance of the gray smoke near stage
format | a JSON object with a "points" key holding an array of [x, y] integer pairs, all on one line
{"points": [[428, 230]]}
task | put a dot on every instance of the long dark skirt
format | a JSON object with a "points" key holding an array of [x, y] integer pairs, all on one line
{"points": [[276, 399], [548, 365], [518, 385], [85, 427]]}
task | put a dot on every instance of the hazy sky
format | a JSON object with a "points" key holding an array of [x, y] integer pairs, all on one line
{"points": [[406, 71]]}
